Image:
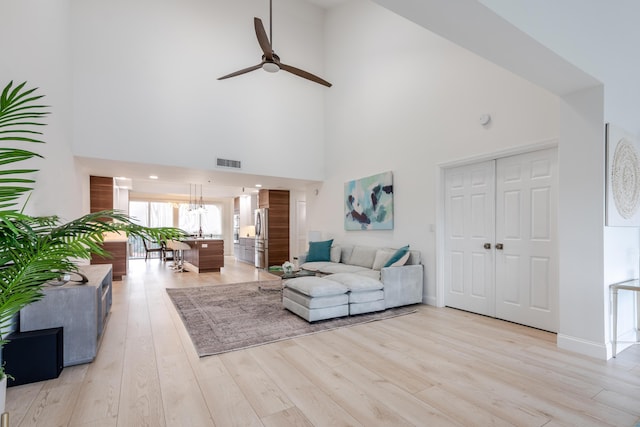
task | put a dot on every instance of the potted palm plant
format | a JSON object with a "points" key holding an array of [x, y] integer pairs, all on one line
{"points": [[35, 250]]}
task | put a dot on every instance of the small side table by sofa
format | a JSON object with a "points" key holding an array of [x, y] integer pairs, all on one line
{"points": [[627, 285]]}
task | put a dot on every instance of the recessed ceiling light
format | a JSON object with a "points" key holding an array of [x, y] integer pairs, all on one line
{"points": [[258, 185], [153, 176]]}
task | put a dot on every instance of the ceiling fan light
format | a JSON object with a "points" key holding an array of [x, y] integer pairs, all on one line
{"points": [[270, 67]]}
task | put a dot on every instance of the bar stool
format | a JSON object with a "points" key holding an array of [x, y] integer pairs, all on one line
{"points": [[178, 249]]}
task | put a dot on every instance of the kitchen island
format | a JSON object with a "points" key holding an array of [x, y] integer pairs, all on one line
{"points": [[116, 245], [205, 255]]}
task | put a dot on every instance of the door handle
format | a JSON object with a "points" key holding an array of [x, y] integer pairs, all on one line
{"points": [[487, 245], [499, 246]]}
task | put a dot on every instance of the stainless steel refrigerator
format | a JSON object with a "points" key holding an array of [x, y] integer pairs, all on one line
{"points": [[261, 223]]}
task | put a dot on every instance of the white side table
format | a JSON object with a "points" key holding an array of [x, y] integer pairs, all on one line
{"points": [[627, 285]]}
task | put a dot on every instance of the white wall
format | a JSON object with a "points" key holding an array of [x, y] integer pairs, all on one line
{"points": [[121, 199], [36, 49], [145, 88], [578, 122], [407, 101], [144, 80], [597, 37], [583, 324]]}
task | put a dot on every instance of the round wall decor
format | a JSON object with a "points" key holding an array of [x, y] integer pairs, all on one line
{"points": [[625, 179]]}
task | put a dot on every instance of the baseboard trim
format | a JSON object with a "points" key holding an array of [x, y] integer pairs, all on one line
{"points": [[588, 348], [429, 300]]}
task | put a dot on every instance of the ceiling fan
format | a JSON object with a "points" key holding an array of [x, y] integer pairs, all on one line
{"points": [[270, 61]]}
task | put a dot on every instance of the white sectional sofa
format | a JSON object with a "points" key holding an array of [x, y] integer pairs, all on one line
{"points": [[353, 281]]}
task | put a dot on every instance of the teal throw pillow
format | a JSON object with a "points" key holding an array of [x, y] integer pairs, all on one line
{"points": [[319, 251], [397, 256]]}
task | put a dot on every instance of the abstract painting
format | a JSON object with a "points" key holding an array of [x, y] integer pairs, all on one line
{"points": [[369, 203], [623, 178]]}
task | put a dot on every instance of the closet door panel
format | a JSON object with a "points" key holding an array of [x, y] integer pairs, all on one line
{"points": [[526, 269], [469, 225]]}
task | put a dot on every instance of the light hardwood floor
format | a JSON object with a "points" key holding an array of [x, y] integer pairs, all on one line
{"points": [[436, 367]]}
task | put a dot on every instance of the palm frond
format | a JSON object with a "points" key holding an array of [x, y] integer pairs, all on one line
{"points": [[20, 114], [36, 250]]}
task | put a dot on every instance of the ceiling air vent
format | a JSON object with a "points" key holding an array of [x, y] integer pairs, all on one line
{"points": [[226, 163]]}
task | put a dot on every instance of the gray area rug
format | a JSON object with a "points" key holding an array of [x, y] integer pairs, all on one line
{"points": [[224, 318]]}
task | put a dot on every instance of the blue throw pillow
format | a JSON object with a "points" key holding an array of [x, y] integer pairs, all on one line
{"points": [[399, 254], [319, 251]]}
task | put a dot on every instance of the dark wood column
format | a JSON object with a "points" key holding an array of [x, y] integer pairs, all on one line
{"points": [[277, 201], [100, 193]]}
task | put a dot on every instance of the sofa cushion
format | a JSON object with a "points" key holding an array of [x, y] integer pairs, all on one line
{"points": [[373, 274], [414, 258], [357, 282], [402, 261], [363, 256], [319, 251], [316, 286], [382, 256], [335, 254], [334, 267], [399, 257], [346, 252], [314, 266]]}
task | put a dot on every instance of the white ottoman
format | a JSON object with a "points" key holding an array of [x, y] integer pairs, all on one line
{"points": [[315, 298], [365, 294]]}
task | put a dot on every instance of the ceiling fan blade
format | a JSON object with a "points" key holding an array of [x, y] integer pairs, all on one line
{"points": [[263, 40], [304, 74], [243, 71]]}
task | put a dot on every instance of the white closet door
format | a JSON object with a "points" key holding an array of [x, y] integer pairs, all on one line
{"points": [[527, 266], [470, 222]]}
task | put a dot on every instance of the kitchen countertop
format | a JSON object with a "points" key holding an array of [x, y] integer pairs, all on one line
{"points": [[114, 237]]}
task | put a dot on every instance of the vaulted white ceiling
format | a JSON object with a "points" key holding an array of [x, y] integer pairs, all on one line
{"points": [[561, 45]]}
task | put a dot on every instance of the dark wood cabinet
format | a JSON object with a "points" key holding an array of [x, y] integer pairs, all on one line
{"points": [[118, 258], [277, 201], [207, 255], [100, 193]]}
